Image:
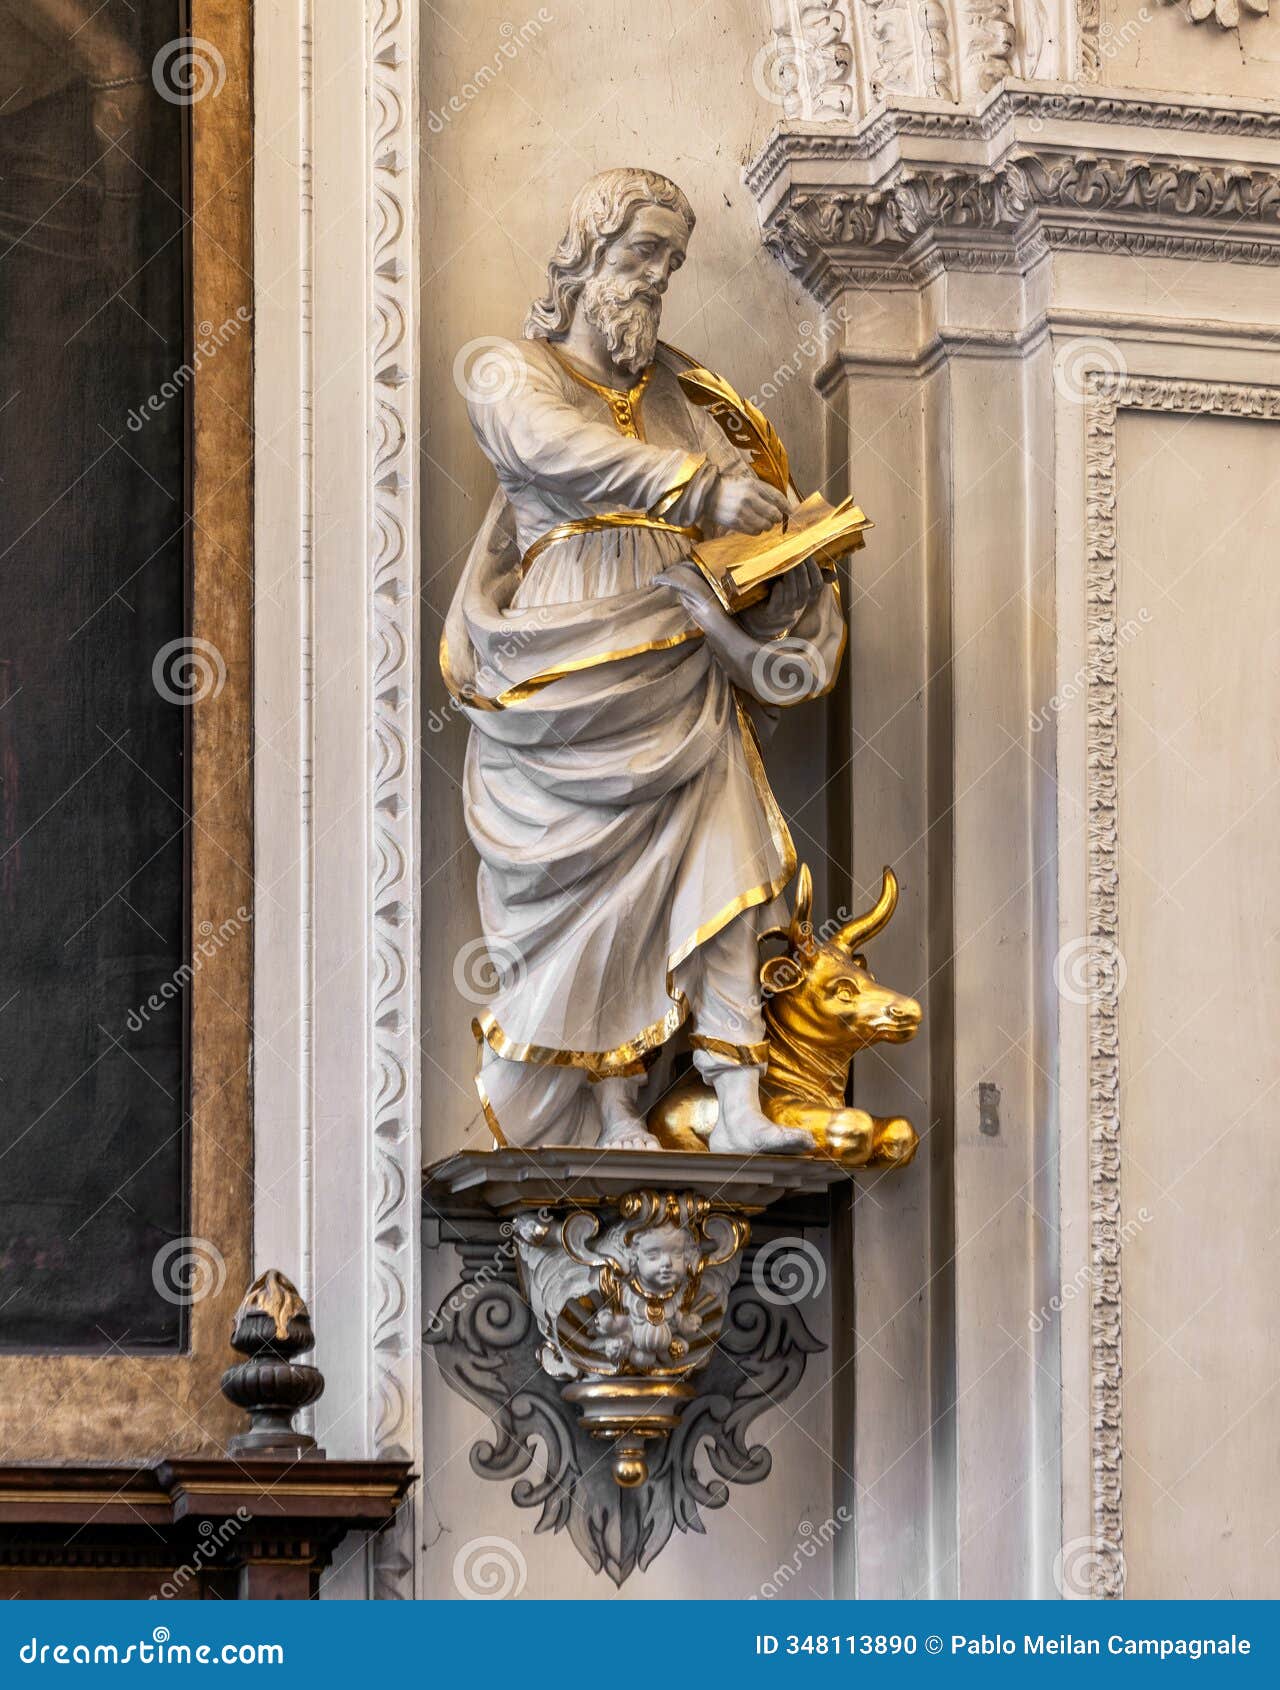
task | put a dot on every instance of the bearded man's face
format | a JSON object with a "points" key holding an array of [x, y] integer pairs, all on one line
{"points": [[623, 299], [628, 315]]}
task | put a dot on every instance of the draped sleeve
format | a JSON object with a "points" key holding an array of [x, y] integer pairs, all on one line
{"points": [[531, 433]]}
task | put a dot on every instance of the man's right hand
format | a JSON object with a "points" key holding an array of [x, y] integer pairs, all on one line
{"points": [[747, 505]]}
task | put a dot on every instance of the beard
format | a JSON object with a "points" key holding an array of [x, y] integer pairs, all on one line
{"points": [[629, 324]]}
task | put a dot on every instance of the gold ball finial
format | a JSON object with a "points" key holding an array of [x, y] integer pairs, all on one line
{"points": [[629, 1469]]}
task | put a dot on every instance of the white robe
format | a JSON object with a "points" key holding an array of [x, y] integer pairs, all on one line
{"points": [[614, 787]]}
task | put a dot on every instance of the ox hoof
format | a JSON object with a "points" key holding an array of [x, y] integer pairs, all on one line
{"points": [[896, 1142], [848, 1135]]}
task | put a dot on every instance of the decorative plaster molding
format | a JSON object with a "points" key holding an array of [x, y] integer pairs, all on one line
{"points": [[393, 806], [336, 663], [915, 217], [993, 39], [486, 1344], [1014, 113], [811, 60], [1089, 28], [934, 48], [835, 59], [891, 40], [1108, 395], [1101, 594], [1139, 245]]}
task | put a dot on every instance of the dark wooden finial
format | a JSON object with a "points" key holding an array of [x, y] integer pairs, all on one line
{"points": [[271, 1327]]}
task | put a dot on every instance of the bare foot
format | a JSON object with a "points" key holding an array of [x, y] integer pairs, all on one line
{"points": [[617, 1135], [621, 1123], [748, 1135], [743, 1127]]}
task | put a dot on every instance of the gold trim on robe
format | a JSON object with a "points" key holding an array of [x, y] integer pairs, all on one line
{"points": [[526, 689], [750, 1056], [652, 519], [625, 406]]}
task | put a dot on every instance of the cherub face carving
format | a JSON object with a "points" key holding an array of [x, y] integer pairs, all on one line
{"points": [[659, 1260]]}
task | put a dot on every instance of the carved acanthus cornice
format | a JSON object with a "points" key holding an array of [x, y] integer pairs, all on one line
{"points": [[998, 117], [839, 59], [875, 205]]}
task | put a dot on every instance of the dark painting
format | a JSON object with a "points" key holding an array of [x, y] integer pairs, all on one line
{"points": [[95, 678]]}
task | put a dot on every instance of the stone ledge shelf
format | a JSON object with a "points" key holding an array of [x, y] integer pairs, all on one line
{"points": [[503, 1181]]}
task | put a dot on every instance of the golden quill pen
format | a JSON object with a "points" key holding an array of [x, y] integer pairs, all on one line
{"points": [[745, 426]]}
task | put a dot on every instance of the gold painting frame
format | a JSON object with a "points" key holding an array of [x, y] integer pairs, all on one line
{"points": [[118, 1406]]}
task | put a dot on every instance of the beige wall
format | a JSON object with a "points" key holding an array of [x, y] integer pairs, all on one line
{"points": [[1151, 44]]}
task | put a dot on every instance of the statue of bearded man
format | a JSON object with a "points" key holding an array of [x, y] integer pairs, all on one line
{"points": [[629, 844]]}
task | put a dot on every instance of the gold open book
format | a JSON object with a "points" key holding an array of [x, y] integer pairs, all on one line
{"points": [[740, 567]]}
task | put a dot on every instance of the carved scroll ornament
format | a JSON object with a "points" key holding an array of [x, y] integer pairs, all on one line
{"points": [[486, 1342]]}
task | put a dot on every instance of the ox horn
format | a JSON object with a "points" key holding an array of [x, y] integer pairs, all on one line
{"points": [[801, 931], [864, 927]]}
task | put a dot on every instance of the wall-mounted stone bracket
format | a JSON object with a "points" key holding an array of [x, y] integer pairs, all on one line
{"points": [[616, 1318]]}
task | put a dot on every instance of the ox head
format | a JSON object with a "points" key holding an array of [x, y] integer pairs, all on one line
{"points": [[821, 992]]}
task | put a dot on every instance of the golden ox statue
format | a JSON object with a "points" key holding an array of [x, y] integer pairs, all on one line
{"points": [[822, 1005]]}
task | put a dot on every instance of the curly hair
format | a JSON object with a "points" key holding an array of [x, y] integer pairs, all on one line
{"points": [[601, 210]]}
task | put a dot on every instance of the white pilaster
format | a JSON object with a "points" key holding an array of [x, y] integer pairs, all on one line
{"points": [[336, 691], [1006, 269]]}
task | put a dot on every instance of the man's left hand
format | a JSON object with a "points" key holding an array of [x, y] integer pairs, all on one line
{"points": [[789, 598]]}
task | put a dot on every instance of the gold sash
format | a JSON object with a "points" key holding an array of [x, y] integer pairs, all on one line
{"points": [[654, 518]]}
